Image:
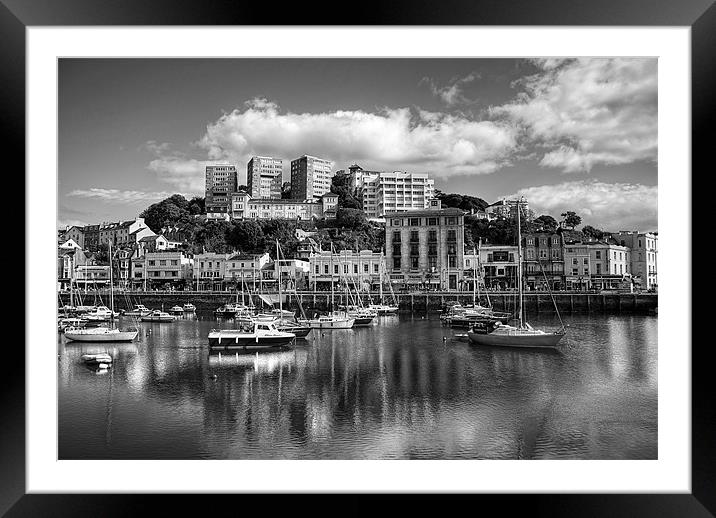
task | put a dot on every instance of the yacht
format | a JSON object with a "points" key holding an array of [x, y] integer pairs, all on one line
{"points": [[99, 334], [139, 310], [189, 308], [158, 316], [101, 313], [331, 321], [176, 310], [248, 336]]}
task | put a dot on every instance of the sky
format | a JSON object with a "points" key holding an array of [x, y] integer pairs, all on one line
{"points": [[568, 134]]}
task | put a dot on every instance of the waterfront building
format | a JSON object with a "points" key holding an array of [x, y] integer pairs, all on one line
{"points": [[221, 182], [244, 207], [497, 265], [644, 252], [361, 269], [136, 236], [264, 177], [153, 243], [209, 270], [609, 265], [293, 273], [577, 266], [310, 177], [69, 256], [543, 260], [242, 267], [121, 266], [425, 248], [90, 276], [161, 269]]}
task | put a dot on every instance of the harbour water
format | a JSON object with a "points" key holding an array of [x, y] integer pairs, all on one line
{"points": [[402, 388]]}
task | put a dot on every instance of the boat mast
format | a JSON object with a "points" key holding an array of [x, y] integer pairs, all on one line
{"points": [[381, 276], [331, 278], [278, 279], [519, 265], [474, 277], [111, 287]]}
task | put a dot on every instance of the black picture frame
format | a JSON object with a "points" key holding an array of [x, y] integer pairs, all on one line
{"points": [[700, 15]]}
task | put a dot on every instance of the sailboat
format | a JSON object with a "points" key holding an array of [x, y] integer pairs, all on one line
{"points": [[523, 334], [284, 322], [332, 320], [466, 316], [382, 308], [102, 333]]}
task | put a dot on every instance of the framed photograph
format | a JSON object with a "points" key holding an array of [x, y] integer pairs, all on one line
{"points": [[402, 256]]}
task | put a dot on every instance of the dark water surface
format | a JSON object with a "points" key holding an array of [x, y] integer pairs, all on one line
{"points": [[395, 390]]}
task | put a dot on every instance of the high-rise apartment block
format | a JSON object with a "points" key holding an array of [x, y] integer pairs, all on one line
{"points": [[264, 177], [380, 192], [221, 182], [310, 177]]}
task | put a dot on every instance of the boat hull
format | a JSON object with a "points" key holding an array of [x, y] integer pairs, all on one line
{"points": [[546, 340], [122, 336], [158, 319], [334, 324], [461, 321], [229, 343]]}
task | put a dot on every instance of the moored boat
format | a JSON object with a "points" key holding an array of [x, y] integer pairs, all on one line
{"points": [[99, 334], [189, 308], [139, 310], [158, 316], [176, 310], [522, 334], [255, 335], [331, 321]]}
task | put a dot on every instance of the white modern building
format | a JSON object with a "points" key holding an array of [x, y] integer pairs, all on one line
{"points": [[644, 251], [221, 182], [243, 206], [395, 192]]}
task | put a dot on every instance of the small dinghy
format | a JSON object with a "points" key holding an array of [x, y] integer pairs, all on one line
{"points": [[99, 360]]}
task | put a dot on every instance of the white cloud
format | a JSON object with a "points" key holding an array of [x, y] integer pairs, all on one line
{"points": [[452, 93], [118, 196], [609, 206], [588, 111], [418, 141]]}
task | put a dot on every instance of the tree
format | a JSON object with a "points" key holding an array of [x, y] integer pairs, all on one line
{"points": [[286, 191], [546, 223], [169, 211], [247, 235], [340, 185], [197, 205], [571, 219], [461, 201], [212, 236], [592, 232], [351, 218]]}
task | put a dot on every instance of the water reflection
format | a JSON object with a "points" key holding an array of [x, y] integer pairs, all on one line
{"points": [[393, 390]]}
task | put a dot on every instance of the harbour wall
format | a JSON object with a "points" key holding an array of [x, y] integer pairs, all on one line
{"points": [[534, 303]]}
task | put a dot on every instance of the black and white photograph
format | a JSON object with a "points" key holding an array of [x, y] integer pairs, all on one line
{"points": [[357, 258]]}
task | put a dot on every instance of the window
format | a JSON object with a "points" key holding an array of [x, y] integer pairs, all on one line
{"points": [[318, 269], [335, 268], [396, 249], [598, 255], [396, 237], [175, 262], [355, 268], [396, 262], [452, 235], [575, 261], [325, 268], [452, 261], [414, 222], [151, 263], [451, 220], [375, 268], [413, 262], [432, 221], [585, 261]]}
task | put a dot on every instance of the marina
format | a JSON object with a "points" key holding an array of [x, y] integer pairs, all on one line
{"points": [[407, 386]]}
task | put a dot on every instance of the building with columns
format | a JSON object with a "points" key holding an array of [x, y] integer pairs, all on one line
{"points": [[424, 248]]}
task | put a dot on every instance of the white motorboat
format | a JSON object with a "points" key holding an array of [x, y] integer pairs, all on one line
{"points": [[189, 308], [176, 310], [158, 316], [101, 314], [252, 335], [139, 310], [65, 323], [383, 309], [99, 334], [361, 316]]}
